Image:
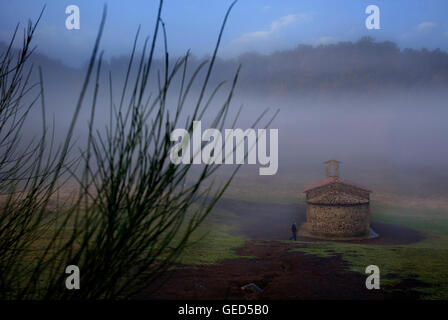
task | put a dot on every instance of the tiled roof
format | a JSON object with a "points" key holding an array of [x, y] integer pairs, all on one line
{"points": [[331, 180], [332, 161]]}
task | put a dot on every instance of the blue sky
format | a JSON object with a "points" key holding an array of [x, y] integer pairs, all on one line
{"points": [[254, 25]]}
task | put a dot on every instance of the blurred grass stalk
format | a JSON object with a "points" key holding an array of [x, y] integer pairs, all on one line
{"points": [[135, 210]]}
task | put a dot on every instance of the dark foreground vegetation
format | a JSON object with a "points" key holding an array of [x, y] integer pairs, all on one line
{"points": [[130, 212]]}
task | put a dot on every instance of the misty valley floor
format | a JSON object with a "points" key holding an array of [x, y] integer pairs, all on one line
{"points": [[412, 267]]}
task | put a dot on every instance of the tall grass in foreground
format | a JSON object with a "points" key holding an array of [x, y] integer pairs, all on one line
{"points": [[27, 168], [134, 213], [133, 200]]}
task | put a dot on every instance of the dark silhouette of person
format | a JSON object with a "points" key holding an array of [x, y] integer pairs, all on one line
{"points": [[294, 232]]}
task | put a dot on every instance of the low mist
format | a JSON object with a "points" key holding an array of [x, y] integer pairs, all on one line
{"points": [[380, 110]]}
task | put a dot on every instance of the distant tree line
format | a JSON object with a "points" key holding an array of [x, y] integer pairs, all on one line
{"points": [[364, 65], [361, 65]]}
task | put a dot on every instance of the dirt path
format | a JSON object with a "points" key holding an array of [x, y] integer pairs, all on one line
{"points": [[280, 273], [271, 221]]}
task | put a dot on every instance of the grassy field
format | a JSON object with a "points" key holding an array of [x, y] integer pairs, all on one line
{"points": [[396, 263], [212, 242], [425, 263]]}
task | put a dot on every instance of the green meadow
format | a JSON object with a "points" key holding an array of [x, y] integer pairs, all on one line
{"points": [[423, 263]]}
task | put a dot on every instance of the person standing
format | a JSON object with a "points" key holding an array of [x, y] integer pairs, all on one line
{"points": [[294, 232]]}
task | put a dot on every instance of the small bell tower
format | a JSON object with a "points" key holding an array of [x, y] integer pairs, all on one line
{"points": [[332, 168]]}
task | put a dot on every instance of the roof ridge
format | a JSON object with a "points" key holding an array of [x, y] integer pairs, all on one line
{"points": [[332, 180]]}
